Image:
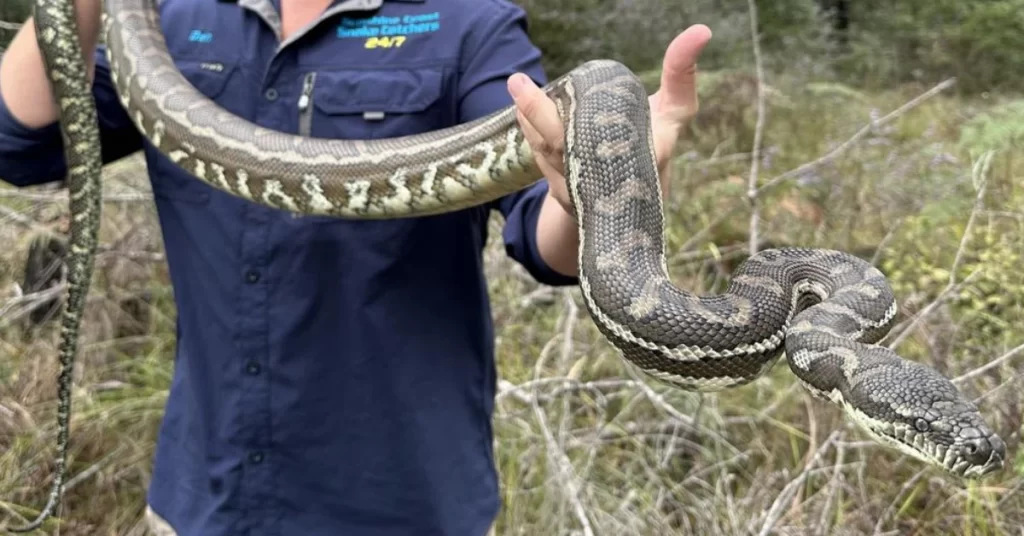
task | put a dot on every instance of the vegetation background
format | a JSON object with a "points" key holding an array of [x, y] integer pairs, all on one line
{"points": [[889, 129]]}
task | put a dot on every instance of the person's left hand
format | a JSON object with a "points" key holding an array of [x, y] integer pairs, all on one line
{"points": [[672, 108]]}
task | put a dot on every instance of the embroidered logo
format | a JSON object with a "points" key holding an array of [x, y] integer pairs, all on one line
{"points": [[388, 32], [200, 36]]}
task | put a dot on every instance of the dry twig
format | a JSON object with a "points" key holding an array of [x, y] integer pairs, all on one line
{"points": [[755, 159]]}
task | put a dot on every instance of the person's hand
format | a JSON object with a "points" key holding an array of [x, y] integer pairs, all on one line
{"points": [[24, 86], [672, 108]]}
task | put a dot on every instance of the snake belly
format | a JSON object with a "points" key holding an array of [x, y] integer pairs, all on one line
{"points": [[823, 308]]}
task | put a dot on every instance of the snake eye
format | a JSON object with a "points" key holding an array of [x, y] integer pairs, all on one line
{"points": [[921, 425]]}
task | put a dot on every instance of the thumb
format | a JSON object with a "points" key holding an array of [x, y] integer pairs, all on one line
{"points": [[678, 91]]}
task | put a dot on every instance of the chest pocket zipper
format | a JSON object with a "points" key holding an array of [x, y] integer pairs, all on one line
{"points": [[306, 105]]}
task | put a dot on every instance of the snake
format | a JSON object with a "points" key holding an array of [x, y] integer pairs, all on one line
{"points": [[825, 310]]}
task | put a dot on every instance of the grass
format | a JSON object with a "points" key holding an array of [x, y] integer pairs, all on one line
{"points": [[581, 441]]}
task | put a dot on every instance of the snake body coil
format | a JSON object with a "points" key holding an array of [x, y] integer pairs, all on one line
{"points": [[823, 308]]}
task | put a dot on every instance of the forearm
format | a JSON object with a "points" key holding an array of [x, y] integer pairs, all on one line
{"points": [[23, 82], [558, 237]]}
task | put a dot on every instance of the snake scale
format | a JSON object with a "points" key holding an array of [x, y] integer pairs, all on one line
{"points": [[825, 309]]}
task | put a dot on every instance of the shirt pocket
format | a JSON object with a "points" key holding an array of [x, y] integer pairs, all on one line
{"points": [[169, 180], [363, 104]]}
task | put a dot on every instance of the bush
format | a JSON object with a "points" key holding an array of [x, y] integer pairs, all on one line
{"points": [[887, 43], [980, 43]]}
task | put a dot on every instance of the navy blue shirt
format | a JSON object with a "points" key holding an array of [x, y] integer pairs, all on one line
{"points": [[332, 377]]}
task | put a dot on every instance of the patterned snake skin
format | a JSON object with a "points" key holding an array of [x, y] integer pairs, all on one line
{"points": [[824, 309]]}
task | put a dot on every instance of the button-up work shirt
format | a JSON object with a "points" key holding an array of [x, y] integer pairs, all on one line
{"points": [[331, 377]]}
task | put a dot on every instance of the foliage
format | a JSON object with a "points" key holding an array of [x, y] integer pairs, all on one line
{"points": [[999, 128], [982, 43], [636, 32], [986, 290]]}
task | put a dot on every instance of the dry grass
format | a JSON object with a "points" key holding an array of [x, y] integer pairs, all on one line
{"points": [[584, 446]]}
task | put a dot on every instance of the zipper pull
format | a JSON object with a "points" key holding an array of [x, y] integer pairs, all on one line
{"points": [[307, 91], [305, 99]]}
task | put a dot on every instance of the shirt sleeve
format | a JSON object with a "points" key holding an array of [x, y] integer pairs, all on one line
{"points": [[31, 156], [499, 47]]}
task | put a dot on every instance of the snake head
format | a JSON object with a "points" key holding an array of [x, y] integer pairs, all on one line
{"points": [[919, 412]]}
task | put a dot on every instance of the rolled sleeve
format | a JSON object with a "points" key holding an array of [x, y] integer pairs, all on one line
{"points": [[32, 156], [521, 211], [499, 48], [28, 156]]}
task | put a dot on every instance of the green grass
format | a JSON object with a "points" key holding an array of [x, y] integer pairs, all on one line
{"points": [[583, 437]]}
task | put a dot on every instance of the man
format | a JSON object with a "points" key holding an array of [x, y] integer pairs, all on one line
{"points": [[333, 377]]}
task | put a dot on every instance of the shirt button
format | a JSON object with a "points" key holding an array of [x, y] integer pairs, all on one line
{"points": [[256, 457], [253, 368], [252, 276], [271, 94]]}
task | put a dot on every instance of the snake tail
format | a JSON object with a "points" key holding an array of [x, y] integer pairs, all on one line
{"points": [[57, 35]]}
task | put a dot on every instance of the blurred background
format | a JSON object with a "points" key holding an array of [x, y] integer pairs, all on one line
{"points": [[892, 130]]}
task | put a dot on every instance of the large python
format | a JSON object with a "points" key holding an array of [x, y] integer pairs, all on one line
{"points": [[825, 309]]}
